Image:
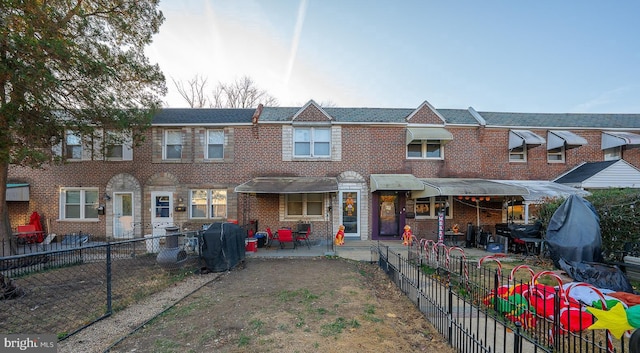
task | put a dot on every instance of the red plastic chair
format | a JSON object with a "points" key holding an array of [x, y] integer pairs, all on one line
{"points": [[270, 237], [29, 235], [302, 235], [285, 235]]}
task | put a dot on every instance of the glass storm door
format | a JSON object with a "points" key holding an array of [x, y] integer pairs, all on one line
{"points": [[350, 213], [123, 215], [161, 211], [388, 214]]}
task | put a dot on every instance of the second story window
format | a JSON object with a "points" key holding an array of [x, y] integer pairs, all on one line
{"points": [[312, 142], [118, 146], [73, 145], [215, 144], [555, 155], [518, 154], [172, 144], [613, 153], [429, 149]]}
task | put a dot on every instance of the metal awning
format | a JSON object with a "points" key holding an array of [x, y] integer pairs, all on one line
{"points": [[559, 138], [539, 190], [462, 187], [288, 185], [518, 138], [612, 139], [428, 133], [395, 182], [17, 192]]}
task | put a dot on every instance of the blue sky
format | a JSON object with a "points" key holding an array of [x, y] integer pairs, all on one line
{"points": [[535, 56]]}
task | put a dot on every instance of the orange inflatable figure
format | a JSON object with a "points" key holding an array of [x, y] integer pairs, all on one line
{"points": [[407, 236], [340, 236]]}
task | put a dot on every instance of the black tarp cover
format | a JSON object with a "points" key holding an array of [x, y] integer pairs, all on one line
{"points": [[573, 233], [223, 246]]}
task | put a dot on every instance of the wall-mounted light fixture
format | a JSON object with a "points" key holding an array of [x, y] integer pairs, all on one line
{"points": [[106, 197]]}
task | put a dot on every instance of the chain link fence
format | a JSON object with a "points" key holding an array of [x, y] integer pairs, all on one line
{"points": [[64, 290]]}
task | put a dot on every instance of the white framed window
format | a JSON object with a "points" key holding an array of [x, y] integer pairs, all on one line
{"points": [[304, 205], [556, 155], [208, 203], [612, 154], [73, 145], [79, 203], [118, 146], [518, 154], [215, 144], [429, 207], [172, 144], [312, 142], [425, 149]]}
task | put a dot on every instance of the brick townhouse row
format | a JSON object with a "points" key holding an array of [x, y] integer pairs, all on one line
{"points": [[373, 170]]}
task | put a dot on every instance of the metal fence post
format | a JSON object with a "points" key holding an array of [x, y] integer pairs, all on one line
{"points": [[450, 315], [517, 339], [109, 306]]}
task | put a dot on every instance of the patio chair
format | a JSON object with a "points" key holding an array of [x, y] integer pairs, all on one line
{"points": [[304, 231], [285, 235], [270, 237], [27, 234]]}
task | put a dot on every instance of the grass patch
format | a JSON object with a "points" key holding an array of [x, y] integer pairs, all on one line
{"points": [[244, 340], [337, 326]]}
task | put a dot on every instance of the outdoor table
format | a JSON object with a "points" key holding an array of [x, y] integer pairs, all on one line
{"points": [[451, 237]]}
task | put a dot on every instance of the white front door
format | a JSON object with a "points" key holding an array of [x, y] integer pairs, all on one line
{"points": [[161, 211], [123, 215], [350, 212]]}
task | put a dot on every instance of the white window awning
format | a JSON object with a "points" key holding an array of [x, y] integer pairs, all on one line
{"points": [[288, 185], [428, 133], [559, 138], [611, 139], [395, 182], [463, 186], [540, 190], [519, 138]]}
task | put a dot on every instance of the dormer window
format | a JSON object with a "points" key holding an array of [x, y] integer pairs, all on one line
{"points": [[312, 142], [427, 143]]}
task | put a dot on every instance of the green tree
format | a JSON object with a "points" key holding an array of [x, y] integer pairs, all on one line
{"points": [[74, 65]]}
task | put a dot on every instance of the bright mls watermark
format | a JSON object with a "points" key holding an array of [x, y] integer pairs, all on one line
{"points": [[32, 343]]}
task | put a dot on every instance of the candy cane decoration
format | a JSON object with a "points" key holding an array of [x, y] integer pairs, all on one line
{"points": [[464, 259], [436, 250], [524, 267], [493, 258]]}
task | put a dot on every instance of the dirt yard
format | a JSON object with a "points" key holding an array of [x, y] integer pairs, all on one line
{"points": [[292, 305]]}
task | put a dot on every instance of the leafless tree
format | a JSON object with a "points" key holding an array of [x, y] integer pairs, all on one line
{"points": [[193, 91], [242, 93]]}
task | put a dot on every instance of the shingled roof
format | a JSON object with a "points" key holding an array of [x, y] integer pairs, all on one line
{"points": [[187, 116], [202, 116]]}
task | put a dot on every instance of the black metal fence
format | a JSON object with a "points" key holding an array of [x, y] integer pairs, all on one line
{"points": [[73, 285], [468, 305]]}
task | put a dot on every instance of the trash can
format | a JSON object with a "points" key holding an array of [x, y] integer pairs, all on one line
{"points": [[262, 239]]}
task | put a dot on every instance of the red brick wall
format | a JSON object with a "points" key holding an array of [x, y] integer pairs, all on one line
{"points": [[474, 153]]}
